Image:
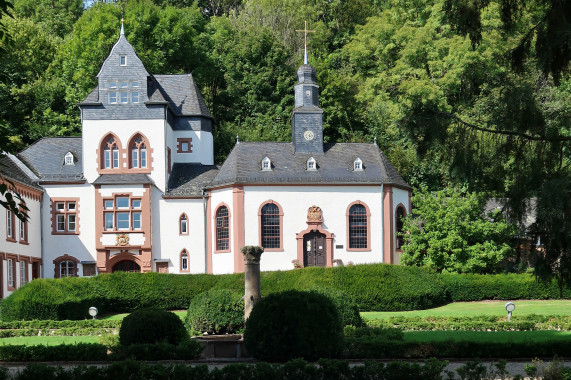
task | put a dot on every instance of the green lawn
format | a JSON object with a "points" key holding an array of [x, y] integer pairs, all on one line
{"points": [[523, 307], [115, 317], [48, 340], [485, 336]]}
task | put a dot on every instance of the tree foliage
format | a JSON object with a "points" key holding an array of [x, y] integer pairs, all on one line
{"points": [[448, 231]]}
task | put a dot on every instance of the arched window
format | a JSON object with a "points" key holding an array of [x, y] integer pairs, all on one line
{"points": [[138, 150], [65, 266], [110, 149], [271, 226], [399, 218], [358, 227], [183, 225], [184, 267], [222, 229]]}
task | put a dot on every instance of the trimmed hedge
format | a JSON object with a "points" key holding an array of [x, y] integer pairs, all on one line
{"points": [[217, 311], [477, 323], [373, 287], [478, 287]]}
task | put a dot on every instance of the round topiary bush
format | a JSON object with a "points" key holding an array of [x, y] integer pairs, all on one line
{"points": [[293, 324], [152, 326], [345, 304], [217, 311]]}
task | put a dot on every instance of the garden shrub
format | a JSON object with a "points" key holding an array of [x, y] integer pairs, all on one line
{"points": [[294, 324], [217, 311], [345, 304], [477, 287], [374, 287], [152, 326]]}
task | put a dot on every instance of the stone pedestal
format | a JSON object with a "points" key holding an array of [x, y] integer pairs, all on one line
{"points": [[252, 255]]}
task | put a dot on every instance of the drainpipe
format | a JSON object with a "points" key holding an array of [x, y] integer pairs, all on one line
{"points": [[205, 231]]}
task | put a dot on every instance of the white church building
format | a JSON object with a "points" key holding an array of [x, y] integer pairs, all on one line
{"points": [[139, 191]]}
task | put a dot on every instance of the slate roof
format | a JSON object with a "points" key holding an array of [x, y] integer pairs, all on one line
{"points": [[46, 159], [189, 180], [14, 170], [179, 92], [182, 94], [334, 166], [122, 179]]}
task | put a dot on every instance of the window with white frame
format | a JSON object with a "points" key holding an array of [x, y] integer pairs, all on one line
{"points": [[183, 225], [134, 92], [23, 273], [358, 165], [11, 273], [123, 60], [311, 164], [110, 153], [23, 230], [184, 261], [9, 224], [112, 92], [66, 268], [266, 164], [138, 153], [64, 216], [122, 213], [123, 92], [68, 160]]}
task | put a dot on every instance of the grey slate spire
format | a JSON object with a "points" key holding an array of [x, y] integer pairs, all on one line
{"points": [[307, 117]]}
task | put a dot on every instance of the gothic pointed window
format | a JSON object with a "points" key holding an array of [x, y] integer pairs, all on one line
{"points": [[110, 150], [138, 153], [184, 261]]}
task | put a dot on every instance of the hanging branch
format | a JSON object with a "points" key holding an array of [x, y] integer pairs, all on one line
{"points": [[507, 133]]}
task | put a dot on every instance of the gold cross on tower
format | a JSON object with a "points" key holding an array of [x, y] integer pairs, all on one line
{"points": [[305, 31]]}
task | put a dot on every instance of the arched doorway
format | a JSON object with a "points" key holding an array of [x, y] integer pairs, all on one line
{"points": [[314, 250], [126, 266]]}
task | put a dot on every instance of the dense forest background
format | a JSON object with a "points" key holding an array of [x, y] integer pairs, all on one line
{"points": [[471, 95]]}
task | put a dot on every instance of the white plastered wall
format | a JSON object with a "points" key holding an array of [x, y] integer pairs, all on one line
{"points": [[153, 130], [32, 249], [222, 262], [295, 201], [171, 242], [81, 246], [202, 147]]}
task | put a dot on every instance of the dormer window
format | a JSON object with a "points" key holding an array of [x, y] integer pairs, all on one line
{"points": [[69, 159], [358, 165], [123, 60], [311, 165], [266, 164]]}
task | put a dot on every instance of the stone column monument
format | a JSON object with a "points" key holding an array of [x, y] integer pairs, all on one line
{"points": [[252, 255]]}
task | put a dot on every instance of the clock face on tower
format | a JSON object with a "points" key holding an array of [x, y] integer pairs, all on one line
{"points": [[308, 135]]}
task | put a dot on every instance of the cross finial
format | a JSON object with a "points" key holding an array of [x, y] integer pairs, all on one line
{"points": [[122, 29], [305, 31]]}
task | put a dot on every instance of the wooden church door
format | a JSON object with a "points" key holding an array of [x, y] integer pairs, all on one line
{"points": [[314, 249]]}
